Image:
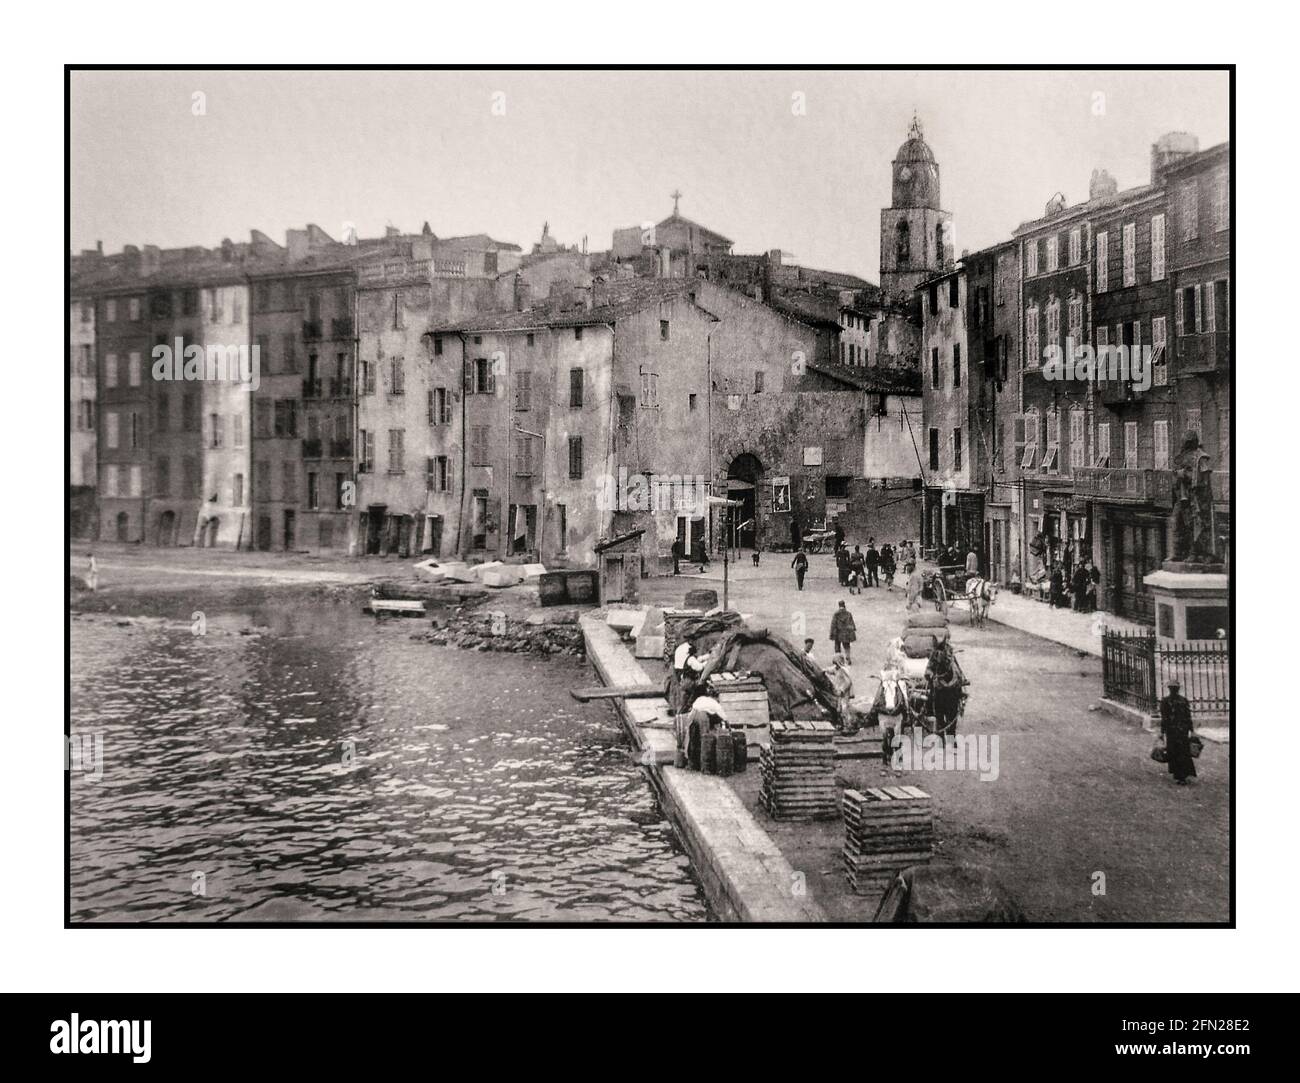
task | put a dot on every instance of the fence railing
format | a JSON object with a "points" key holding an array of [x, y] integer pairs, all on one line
{"points": [[1136, 669]]}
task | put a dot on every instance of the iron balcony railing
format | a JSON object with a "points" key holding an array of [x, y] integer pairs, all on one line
{"points": [[1125, 485]]}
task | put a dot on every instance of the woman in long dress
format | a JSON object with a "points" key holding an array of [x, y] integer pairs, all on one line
{"points": [[1176, 725]]}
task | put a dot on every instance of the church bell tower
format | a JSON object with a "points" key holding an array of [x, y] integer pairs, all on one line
{"points": [[915, 234]]}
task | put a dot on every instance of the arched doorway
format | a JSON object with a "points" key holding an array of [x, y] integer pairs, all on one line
{"points": [[167, 529], [742, 484]]}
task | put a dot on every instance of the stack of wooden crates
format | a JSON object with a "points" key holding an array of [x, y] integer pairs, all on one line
{"points": [[798, 768], [885, 830], [744, 699]]}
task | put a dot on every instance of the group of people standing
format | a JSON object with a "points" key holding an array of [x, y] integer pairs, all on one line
{"points": [[857, 569], [1081, 585]]}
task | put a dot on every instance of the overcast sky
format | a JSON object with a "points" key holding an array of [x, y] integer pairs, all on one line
{"points": [[593, 151]]}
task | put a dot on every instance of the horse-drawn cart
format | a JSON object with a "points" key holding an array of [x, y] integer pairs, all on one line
{"points": [[910, 695], [818, 541]]}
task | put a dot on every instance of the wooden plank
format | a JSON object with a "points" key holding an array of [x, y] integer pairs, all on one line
{"points": [[628, 691]]}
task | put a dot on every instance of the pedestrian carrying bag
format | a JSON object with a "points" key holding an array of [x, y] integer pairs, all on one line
{"points": [[1159, 752], [1195, 744]]}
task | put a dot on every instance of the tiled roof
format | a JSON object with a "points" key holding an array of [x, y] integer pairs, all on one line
{"points": [[876, 380], [612, 301]]}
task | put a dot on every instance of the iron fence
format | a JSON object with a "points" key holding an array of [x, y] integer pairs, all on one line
{"points": [[1136, 669]]}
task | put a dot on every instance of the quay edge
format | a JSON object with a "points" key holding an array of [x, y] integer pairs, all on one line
{"points": [[744, 875]]}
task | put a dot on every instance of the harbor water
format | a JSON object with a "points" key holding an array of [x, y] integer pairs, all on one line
{"points": [[303, 762]]}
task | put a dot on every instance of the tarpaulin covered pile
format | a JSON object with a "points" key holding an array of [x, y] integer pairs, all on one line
{"points": [[796, 688]]}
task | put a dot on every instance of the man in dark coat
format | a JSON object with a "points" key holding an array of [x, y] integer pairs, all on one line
{"points": [[1057, 597], [800, 566], [843, 633], [873, 564], [1176, 726], [1079, 588], [842, 563]]}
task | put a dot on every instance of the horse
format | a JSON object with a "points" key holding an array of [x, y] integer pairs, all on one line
{"points": [[980, 594]]}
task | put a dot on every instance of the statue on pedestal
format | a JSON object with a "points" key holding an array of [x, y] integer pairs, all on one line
{"points": [[1192, 524]]}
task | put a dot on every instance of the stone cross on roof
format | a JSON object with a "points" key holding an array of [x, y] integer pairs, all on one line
{"points": [[676, 194]]}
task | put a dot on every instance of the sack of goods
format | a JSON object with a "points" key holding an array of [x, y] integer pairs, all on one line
{"points": [[885, 830], [1159, 752], [798, 770], [918, 645]]}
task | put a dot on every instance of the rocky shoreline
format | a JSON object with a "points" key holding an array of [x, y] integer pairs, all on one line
{"points": [[534, 634]]}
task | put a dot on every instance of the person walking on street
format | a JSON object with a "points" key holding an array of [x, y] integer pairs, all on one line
{"points": [[800, 566], [888, 564], [972, 563], [1094, 578], [873, 563], [92, 573], [843, 633], [1176, 728], [842, 564], [677, 557], [857, 571]]}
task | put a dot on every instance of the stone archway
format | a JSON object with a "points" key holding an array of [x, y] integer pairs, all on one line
{"points": [[743, 476]]}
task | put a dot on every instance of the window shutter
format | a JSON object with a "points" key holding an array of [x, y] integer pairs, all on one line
{"points": [[467, 377]]}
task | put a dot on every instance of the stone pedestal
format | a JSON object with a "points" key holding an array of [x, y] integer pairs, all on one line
{"points": [[1191, 600]]}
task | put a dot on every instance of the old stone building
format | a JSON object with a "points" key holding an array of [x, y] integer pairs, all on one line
{"points": [[82, 406], [1051, 440], [1200, 249], [970, 347], [1132, 290]]}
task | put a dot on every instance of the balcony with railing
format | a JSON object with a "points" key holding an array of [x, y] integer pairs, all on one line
{"points": [[340, 387], [311, 330], [311, 389], [341, 327], [311, 449], [340, 449], [1204, 353], [1125, 485]]}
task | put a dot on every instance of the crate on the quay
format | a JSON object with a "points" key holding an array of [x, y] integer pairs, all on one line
{"points": [[886, 829]]}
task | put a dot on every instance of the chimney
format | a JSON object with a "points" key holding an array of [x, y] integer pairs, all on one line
{"points": [[1101, 186], [295, 240], [523, 293], [1168, 149], [227, 250], [99, 247], [150, 260], [131, 258]]}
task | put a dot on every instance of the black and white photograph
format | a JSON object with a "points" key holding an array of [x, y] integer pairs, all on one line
{"points": [[537, 521], [624, 499]]}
